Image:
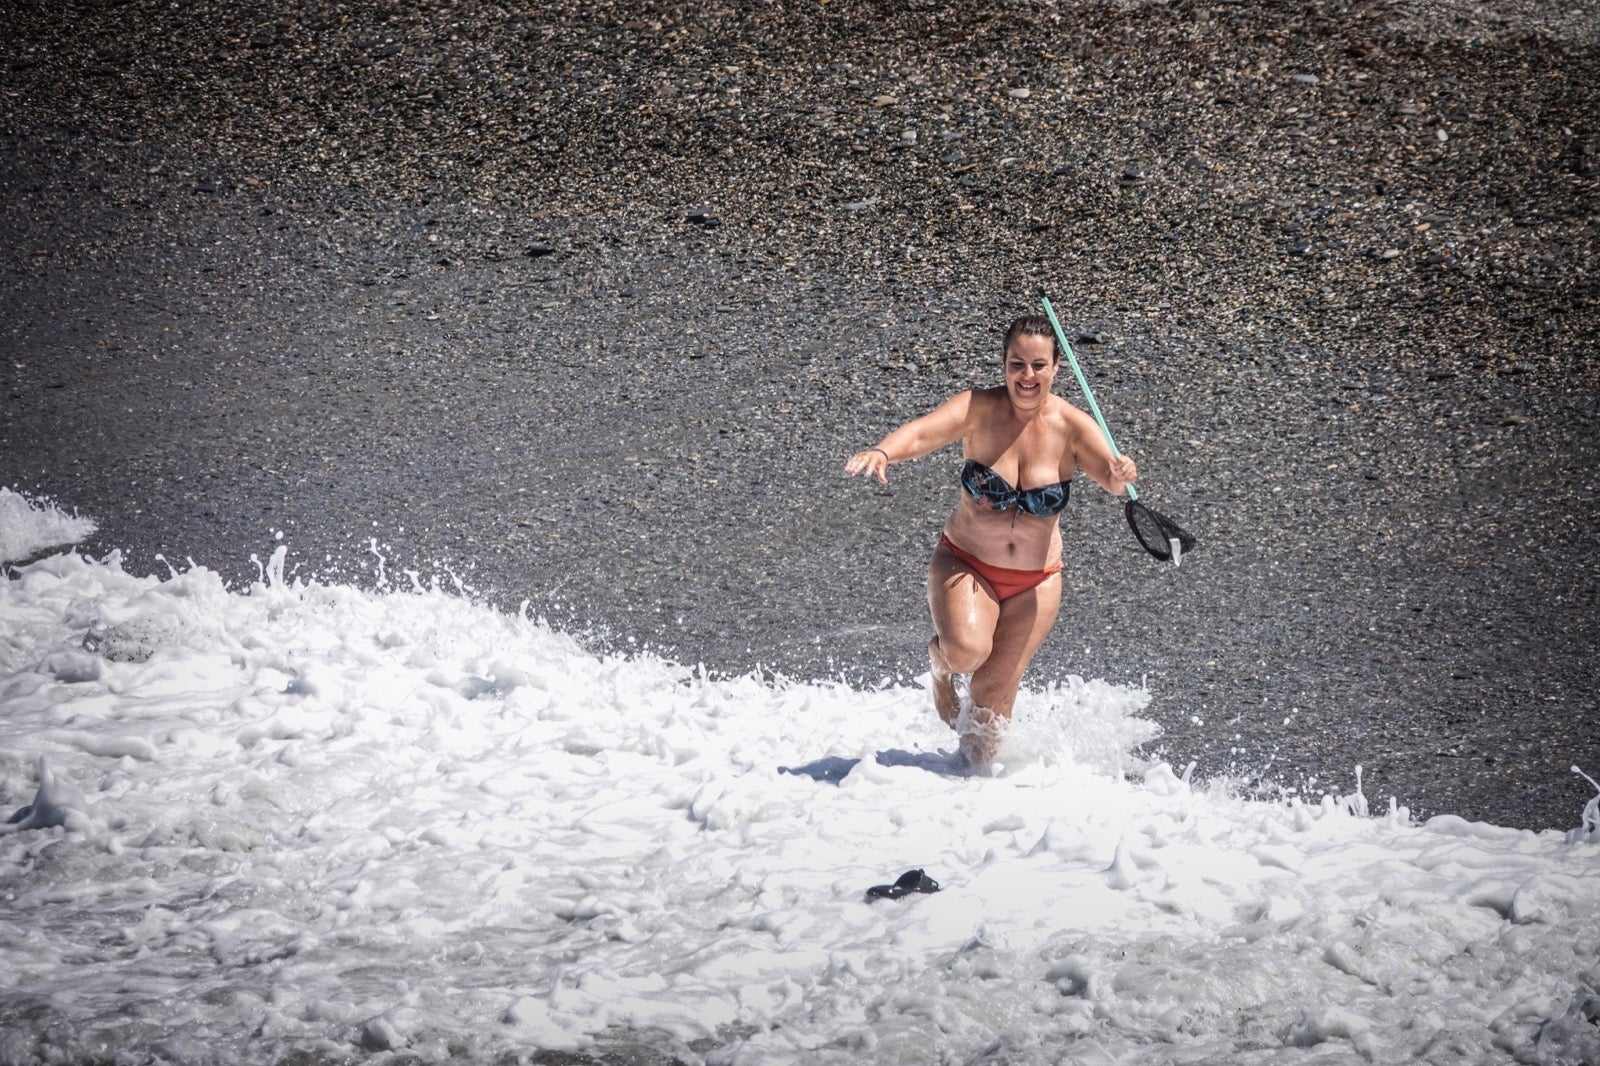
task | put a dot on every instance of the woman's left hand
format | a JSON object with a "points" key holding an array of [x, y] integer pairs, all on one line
{"points": [[1124, 469], [873, 461]]}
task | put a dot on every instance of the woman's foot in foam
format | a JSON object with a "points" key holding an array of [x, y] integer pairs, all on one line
{"points": [[981, 731]]}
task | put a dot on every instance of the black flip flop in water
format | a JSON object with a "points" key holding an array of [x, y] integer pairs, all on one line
{"points": [[910, 881]]}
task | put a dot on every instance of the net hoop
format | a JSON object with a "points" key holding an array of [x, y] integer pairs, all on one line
{"points": [[1156, 533]]}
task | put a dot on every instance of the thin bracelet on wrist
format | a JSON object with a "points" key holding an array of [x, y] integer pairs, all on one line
{"points": [[881, 452]]}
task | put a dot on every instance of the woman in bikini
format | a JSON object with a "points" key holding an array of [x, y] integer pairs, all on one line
{"points": [[994, 583]]}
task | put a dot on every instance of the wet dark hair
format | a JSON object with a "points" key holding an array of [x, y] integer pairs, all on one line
{"points": [[1031, 326]]}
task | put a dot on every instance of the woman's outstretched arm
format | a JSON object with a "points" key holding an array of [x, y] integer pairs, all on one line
{"points": [[919, 437]]}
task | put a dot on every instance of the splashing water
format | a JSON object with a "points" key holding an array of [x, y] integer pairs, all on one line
{"points": [[311, 822], [28, 527], [1589, 830], [981, 732]]}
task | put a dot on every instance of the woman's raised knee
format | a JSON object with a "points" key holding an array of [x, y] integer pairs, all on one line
{"points": [[964, 655]]}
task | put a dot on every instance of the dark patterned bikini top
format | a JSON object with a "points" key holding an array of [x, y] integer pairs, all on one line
{"points": [[985, 486]]}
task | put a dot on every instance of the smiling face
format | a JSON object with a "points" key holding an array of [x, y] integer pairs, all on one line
{"points": [[1031, 366]]}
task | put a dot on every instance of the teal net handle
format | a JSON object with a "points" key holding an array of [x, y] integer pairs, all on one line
{"points": [[1083, 382]]}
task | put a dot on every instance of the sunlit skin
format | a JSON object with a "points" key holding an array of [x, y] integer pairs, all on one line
{"points": [[1030, 437]]}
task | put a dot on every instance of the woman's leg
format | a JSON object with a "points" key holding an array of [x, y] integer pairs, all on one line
{"points": [[1025, 620], [965, 612]]}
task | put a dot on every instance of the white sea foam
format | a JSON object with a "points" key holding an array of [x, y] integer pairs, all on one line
{"points": [[311, 821], [27, 528]]}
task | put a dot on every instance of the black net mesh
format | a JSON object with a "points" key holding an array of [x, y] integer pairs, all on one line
{"points": [[1157, 532]]}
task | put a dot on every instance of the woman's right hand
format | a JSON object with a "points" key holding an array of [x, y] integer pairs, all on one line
{"points": [[873, 461]]}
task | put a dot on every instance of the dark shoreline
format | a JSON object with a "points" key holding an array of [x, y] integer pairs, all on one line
{"points": [[221, 328]]}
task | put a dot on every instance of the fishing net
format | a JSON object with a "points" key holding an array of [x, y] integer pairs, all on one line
{"points": [[1160, 535]]}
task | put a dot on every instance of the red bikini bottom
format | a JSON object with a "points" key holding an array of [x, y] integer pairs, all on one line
{"points": [[1005, 581]]}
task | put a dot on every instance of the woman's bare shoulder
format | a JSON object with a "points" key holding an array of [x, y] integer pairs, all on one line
{"points": [[965, 401], [982, 401], [1072, 416]]}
